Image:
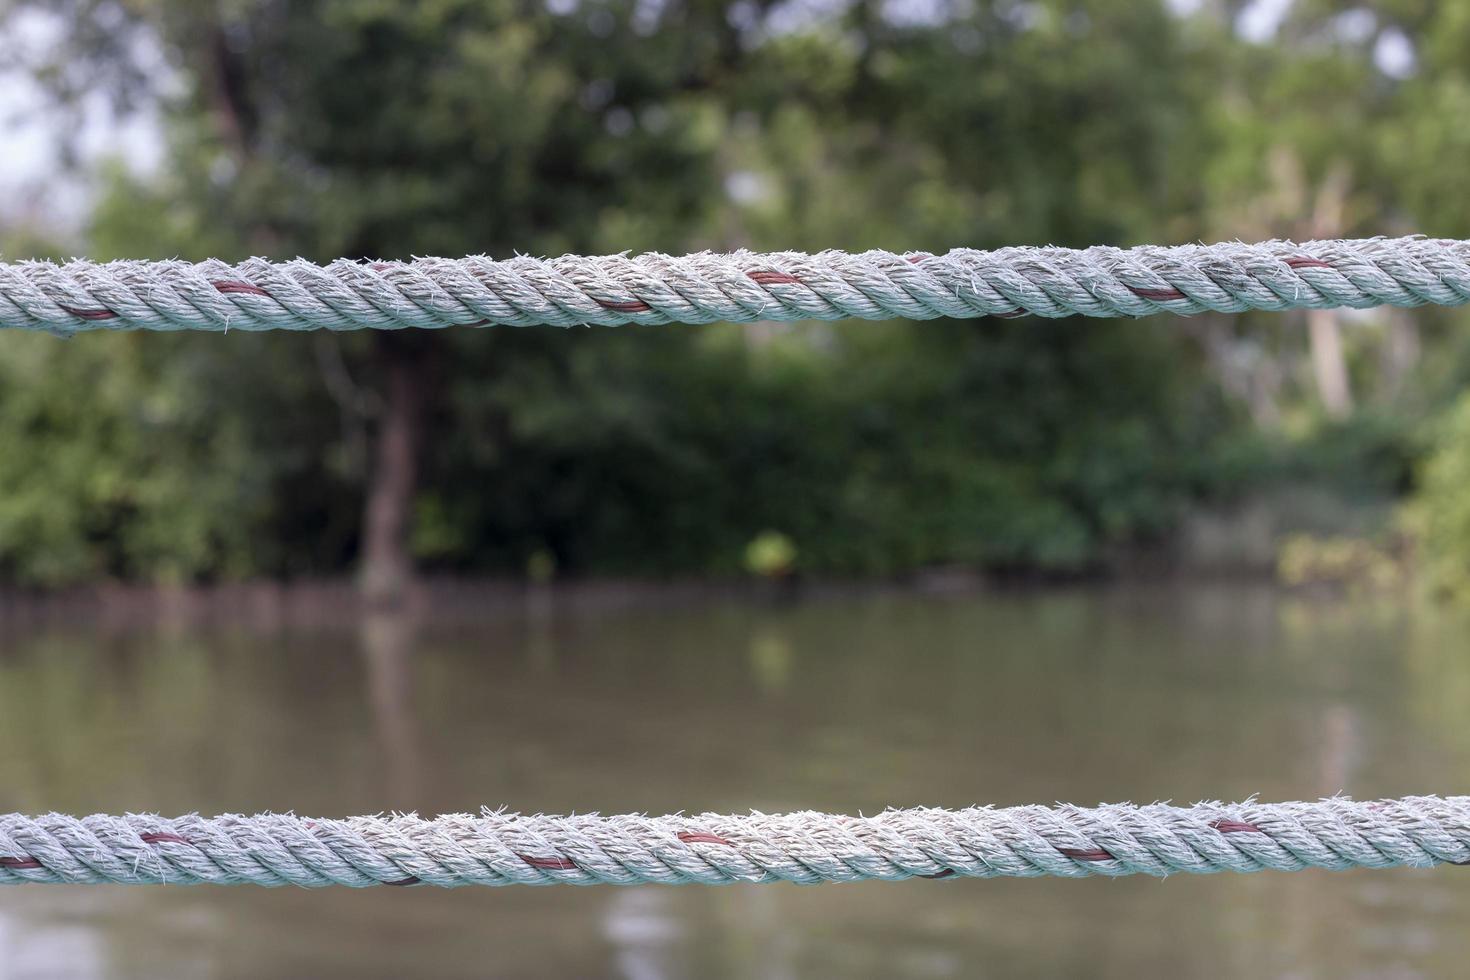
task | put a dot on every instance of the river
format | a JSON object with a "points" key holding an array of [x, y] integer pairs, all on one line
{"points": [[844, 702]]}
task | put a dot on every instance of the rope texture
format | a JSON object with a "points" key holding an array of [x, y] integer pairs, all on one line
{"points": [[498, 848], [741, 286]]}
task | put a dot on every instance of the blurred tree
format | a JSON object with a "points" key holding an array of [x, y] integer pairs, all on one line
{"points": [[341, 128], [328, 127]]}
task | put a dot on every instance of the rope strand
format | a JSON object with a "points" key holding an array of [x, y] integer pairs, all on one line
{"points": [[498, 848], [742, 286]]}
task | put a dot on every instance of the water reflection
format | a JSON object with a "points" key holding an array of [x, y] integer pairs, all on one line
{"points": [[644, 933], [558, 703], [387, 638], [40, 948]]}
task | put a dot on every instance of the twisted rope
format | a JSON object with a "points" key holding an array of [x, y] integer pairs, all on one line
{"points": [[741, 286], [499, 848]]}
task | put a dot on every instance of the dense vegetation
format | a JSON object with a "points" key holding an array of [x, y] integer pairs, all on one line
{"points": [[337, 127]]}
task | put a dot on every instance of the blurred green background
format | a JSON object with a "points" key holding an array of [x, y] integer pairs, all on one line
{"points": [[1325, 448]]}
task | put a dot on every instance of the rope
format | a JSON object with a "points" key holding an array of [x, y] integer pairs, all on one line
{"points": [[741, 286], [498, 848]]}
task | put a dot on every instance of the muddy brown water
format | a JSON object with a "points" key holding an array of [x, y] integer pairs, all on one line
{"points": [[846, 703]]}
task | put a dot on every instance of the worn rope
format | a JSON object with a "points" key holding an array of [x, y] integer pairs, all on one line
{"points": [[741, 286], [497, 848]]}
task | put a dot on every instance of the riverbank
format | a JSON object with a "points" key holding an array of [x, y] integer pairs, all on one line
{"points": [[1240, 543], [335, 603]]}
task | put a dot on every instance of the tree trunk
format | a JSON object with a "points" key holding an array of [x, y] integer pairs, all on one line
{"points": [[387, 566], [1244, 372], [387, 637], [1329, 364], [1400, 352]]}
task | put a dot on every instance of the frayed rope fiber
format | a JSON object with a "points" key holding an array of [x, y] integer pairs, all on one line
{"points": [[741, 286], [498, 848]]}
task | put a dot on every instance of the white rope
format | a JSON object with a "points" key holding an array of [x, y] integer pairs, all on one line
{"points": [[741, 286], [497, 848]]}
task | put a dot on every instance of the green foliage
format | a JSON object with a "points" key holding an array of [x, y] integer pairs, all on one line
{"points": [[1441, 512], [114, 466], [341, 127], [770, 554], [875, 450], [168, 458], [1356, 566]]}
